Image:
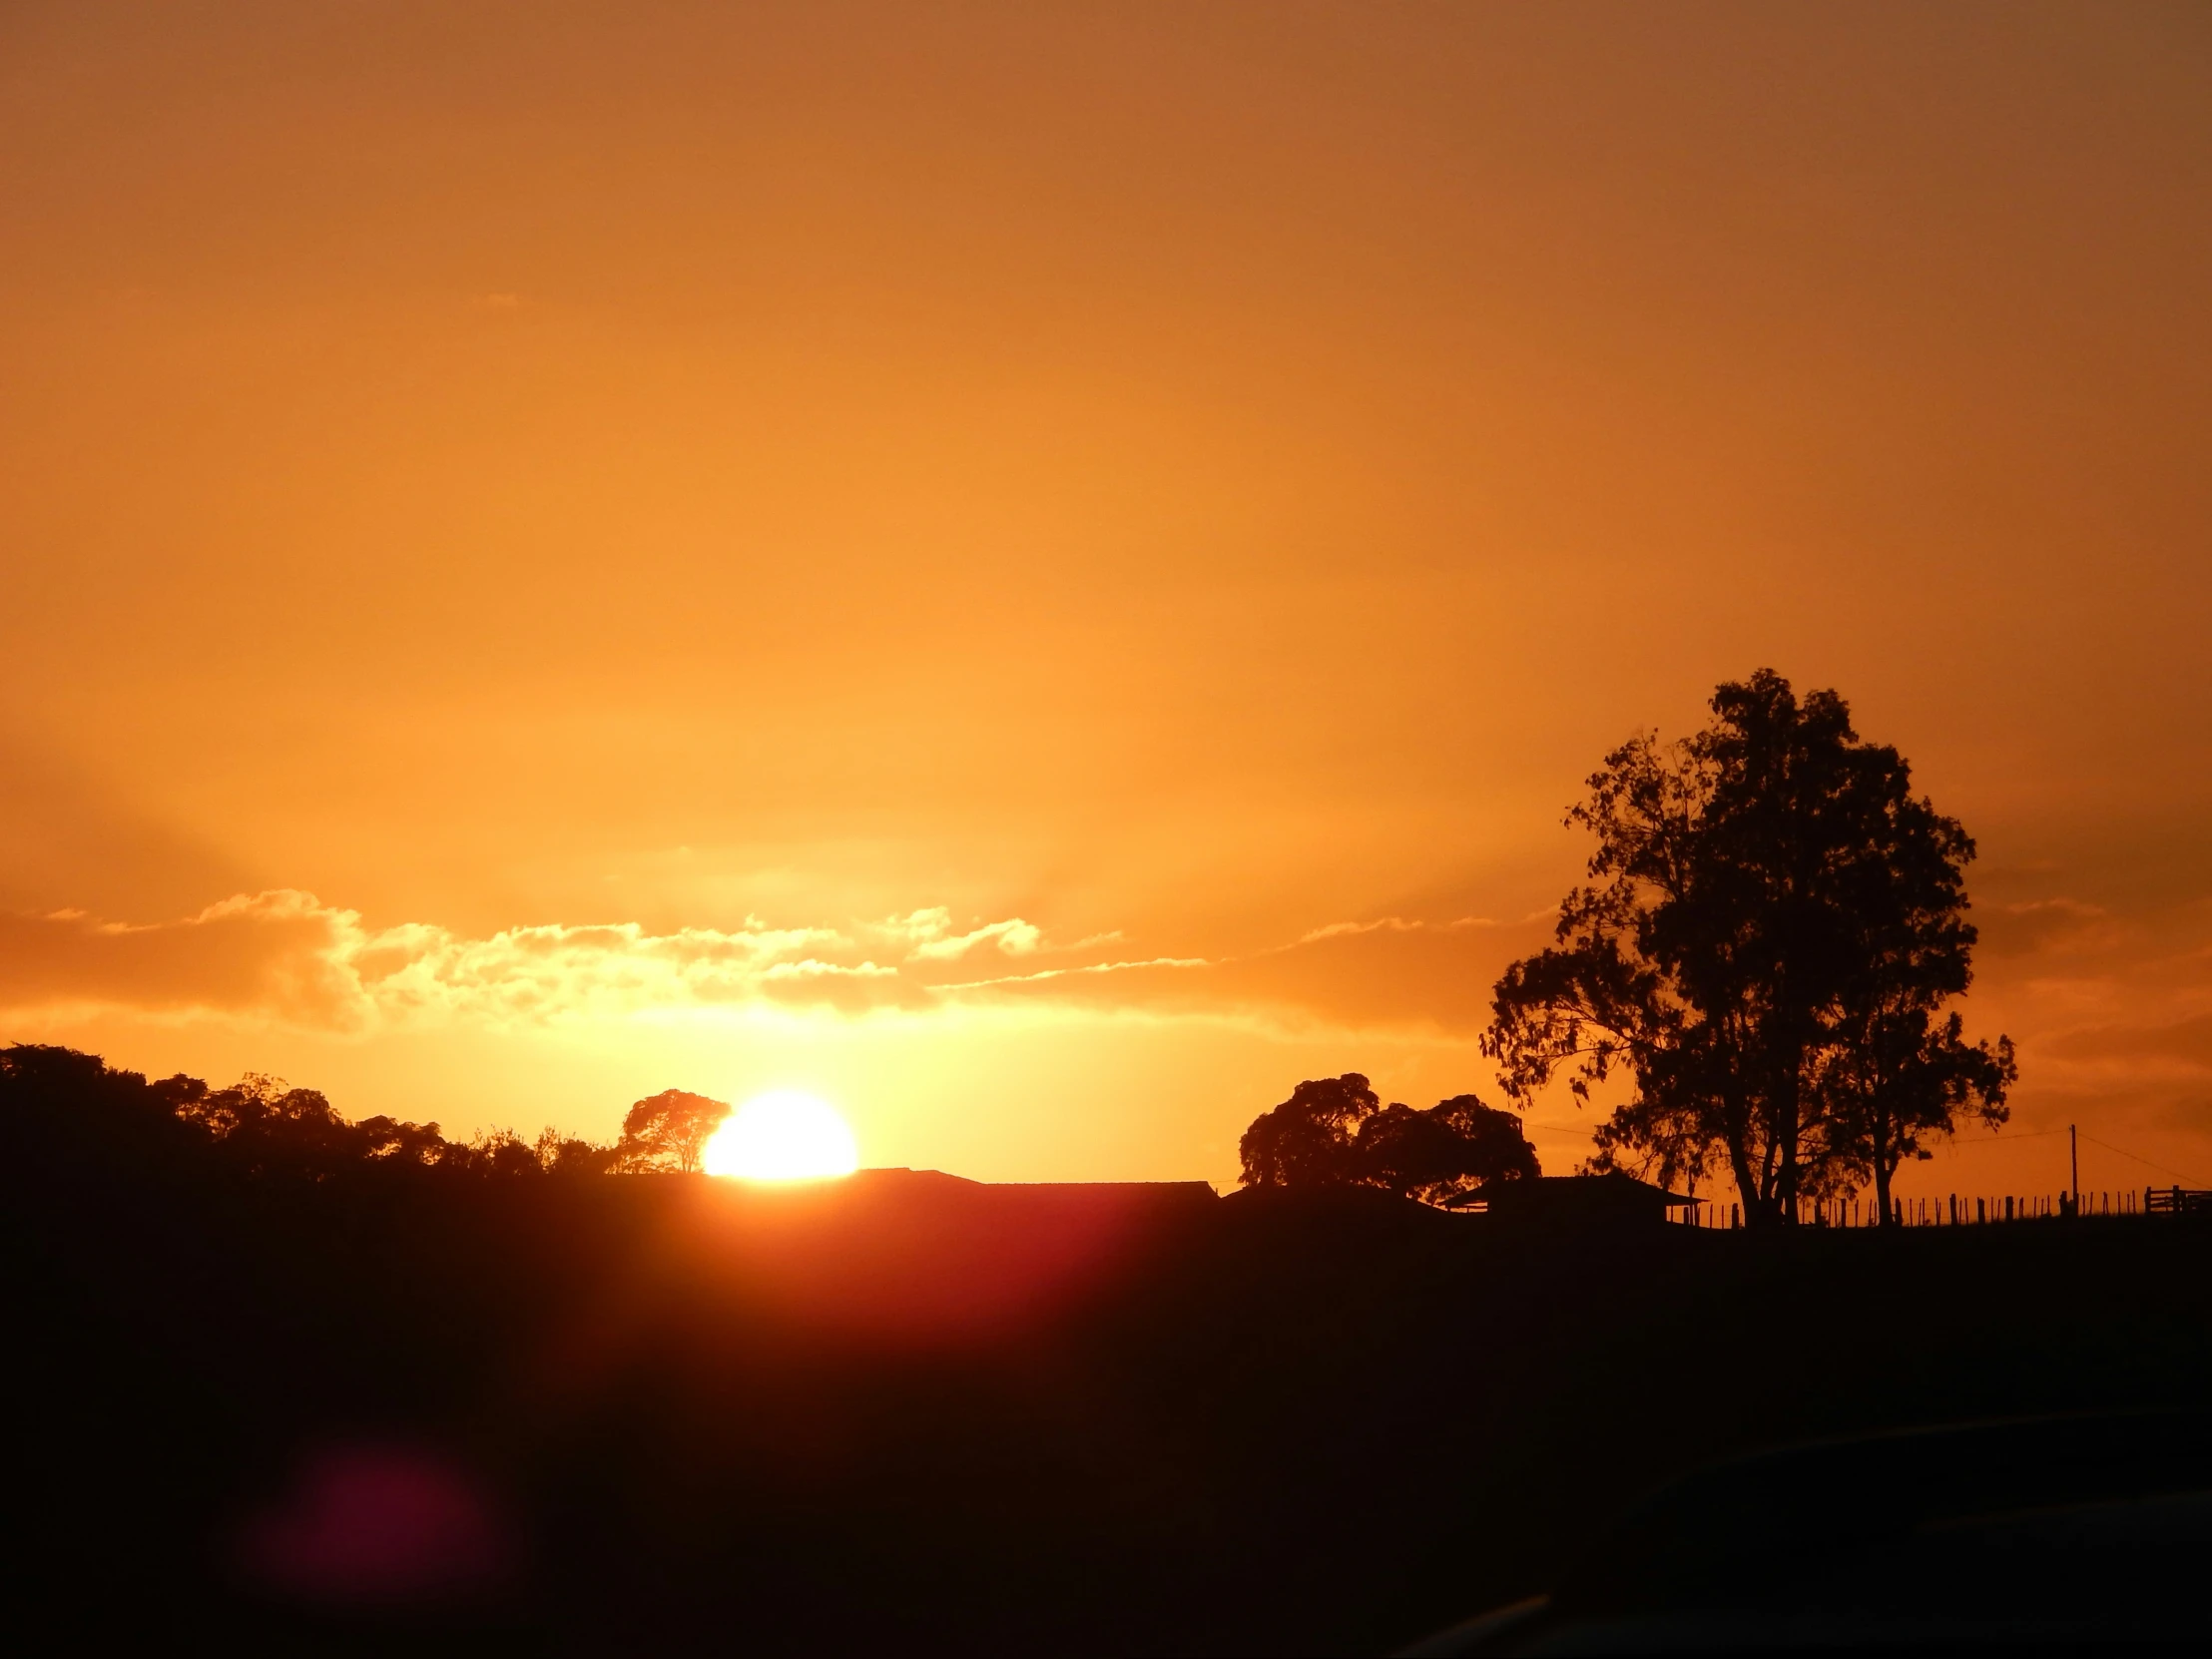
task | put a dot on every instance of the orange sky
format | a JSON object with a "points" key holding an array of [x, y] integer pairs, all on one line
{"points": [[1047, 573]]}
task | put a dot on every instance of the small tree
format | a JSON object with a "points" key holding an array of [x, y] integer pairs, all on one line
{"points": [[1898, 1068], [1909, 1076], [1306, 1141], [667, 1131], [499, 1152], [387, 1140], [559, 1154], [1335, 1132], [1455, 1145]]}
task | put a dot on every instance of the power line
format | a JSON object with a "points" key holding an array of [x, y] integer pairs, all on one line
{"points": [[2037, 1134], [2161, 1168], [1960, 1145]]}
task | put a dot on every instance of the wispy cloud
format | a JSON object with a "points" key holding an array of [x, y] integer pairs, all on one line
{"points": [[1091, 968], [930, 936], [1396, 925], [287, 957]]}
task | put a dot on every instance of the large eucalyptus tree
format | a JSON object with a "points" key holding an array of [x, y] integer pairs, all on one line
{"points": [[1769, 912]]}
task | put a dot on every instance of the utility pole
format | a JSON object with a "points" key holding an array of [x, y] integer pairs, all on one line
{"points": [[2074, 1159]]}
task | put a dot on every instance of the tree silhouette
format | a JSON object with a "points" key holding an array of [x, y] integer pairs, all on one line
{"points": [[1306, 1141], [1771, 922], [1335, 1132], [63, 1104], [667, 1131], [1908, 1074], [268, 1128], [1454, 1144], [392, 1141], [559, 1154], [496, 1151], [61, 1107]]}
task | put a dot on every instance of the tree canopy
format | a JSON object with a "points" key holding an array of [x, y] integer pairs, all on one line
{"points": [[668, 1131], [1772, 925], [75, 1106], [1335, 1132]]}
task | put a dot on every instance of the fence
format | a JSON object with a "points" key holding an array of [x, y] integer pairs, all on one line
{"points": [[1968, 1210], [2177, 1200]]}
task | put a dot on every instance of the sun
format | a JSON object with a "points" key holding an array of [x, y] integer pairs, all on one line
{"points": [[784, 1135]]}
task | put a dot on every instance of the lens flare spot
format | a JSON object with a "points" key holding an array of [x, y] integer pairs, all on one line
{"points": [[785, 1134]]}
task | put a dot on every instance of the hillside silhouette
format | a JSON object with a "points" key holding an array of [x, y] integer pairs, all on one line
{"points": [[302, 1398]]}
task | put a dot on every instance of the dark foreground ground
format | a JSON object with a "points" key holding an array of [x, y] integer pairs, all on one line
{"points": [[647, 1415]]}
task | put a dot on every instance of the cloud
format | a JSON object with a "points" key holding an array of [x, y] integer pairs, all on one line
{"points": [[278, 954], [287, 957], [1387, 974], [1088, 968], [2043, 924], [2086, 1022], [2187, 1042], [561, 972], [284, 956], [930, 938]]}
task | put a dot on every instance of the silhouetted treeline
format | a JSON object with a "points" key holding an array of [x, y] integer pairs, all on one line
{"points": [[915, 1415], [73, 1104], [59, 1103]]}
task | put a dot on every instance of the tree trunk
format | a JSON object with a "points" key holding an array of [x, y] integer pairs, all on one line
{"points": [[1785, 1139], [1878, 1138], [1736, 1124], [1738, 1162], [1770, 1182]]}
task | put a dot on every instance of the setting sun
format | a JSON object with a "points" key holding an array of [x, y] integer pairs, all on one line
{"points": [[785, 1134]]}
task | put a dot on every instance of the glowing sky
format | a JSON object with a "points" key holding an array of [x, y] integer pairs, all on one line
{"points": [[1045, 573]]}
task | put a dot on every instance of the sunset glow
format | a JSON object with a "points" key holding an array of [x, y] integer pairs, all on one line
{"points": [[1069, 554], [785, 1134], [1081, 828]]}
